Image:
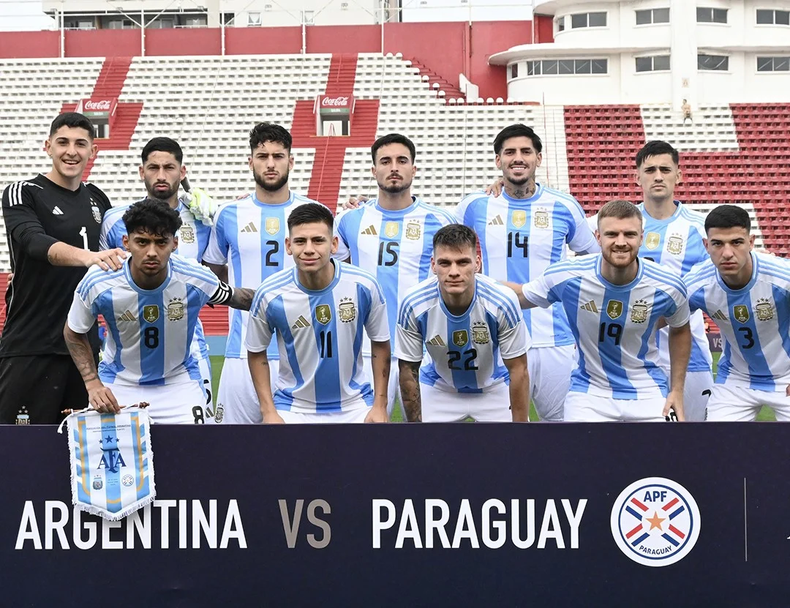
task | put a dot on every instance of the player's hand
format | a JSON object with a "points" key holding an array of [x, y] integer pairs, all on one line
{"points": [[110, 259], [674, 403], [787, 390], [201, 205], [273, 418], [495, 189], [354, 202], [377, 414], [102, 399]]}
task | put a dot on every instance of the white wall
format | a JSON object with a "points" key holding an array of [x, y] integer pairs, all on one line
{"points": [[560, 90]]}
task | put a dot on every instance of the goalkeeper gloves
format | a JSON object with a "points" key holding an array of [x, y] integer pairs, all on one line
{"points": [[201, 205]]}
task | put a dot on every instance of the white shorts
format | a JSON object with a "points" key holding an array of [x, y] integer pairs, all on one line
{"points": [[581, 407], [237, 401], [550, 369], [742, 404], [696, 392], [204, 365], [393, 387], [181, 403], [444, 406], [355, 416]]}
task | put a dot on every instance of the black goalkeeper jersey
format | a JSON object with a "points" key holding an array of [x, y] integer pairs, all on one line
{"points": [[38, 213]]}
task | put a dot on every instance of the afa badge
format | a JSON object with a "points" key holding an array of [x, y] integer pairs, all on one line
{"points": [[151, 313], [614, 309], [323, 314], [460, 337], [95, 212], [413, 230], [186, 234], [639, 311], [518, 218], [272, 225], [175, 310], [655, 522], [480, 333], [541, 219], [675, 244], [347, 310], [764, 309], [741, 313]]}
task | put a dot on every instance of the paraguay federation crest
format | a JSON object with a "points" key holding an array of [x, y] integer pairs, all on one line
{"points": [[323, 314], [151, 313], [518, 218], [652, 240], [460, 337], [272, 225], [655, 522], [614, 309], [741, 313]]}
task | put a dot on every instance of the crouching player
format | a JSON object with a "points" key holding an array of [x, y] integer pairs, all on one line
{"points": [[151, 307], [614, 301], [475, 337], [748, 296], [318, 310]]}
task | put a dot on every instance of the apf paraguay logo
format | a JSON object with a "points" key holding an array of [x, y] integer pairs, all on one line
{"points": [[655, 522]]}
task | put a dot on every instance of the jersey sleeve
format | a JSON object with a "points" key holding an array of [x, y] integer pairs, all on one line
{"points": [[680, 315], [108, 236], [408, 339], [376, 321], [513, 336], [22, 223], [342, 252], [582, 238], [259, 330], [540, 291], [697, 299], [80, 318], [217, 248], [101, 197]]}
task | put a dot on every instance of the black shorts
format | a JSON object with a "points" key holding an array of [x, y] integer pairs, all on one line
{"points": [[35, 389]]}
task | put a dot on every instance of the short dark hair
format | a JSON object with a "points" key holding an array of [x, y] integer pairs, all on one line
{"points": [[73, 120], [619, 209], [163, 144], [310, 213], [152, 216], [456, 236], [728, 216], [393, 138], [655, 148], [267, 131], [517, 130]]}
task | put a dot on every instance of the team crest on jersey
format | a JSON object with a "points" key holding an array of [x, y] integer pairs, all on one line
{"points": [[614, 309], [151, 313], [347, 310], [675, 244], [518, 218], [391, 229], [272, 225], [323, 314], [186, 234], [460, 337], [219, 415], [655, 522], [175, 310], [764, 309], [741, 313], [480, 333], [541, 219], [652, 240], [639, 311], [95, 211], [413, 230]]}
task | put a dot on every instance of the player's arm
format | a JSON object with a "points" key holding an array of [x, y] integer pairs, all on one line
{"points": [[221, 270], [240, 297], [679, 353], [410, 389], [23, 226], [380, 361], [517, 288], [259, 370], [215, 257], [519, 387]]}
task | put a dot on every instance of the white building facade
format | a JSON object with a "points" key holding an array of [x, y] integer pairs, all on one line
{"points": [[655, 51]]}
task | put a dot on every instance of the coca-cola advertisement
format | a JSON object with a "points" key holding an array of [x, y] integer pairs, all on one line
{"points": [[95, 108], [334, 103]]}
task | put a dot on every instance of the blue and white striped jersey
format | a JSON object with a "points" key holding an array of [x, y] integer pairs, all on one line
{"points": [[193, 236], [614, 325], [520, 238], [393, 246], [465, 351], [249, 236], [319, 334], [149, 332], [754, 322]]}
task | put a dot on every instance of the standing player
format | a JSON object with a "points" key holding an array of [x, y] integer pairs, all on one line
{"points": [[151, 307], [391, 235], [614, 301], [162, 171], [475, 336], [247, 246], [51, 220], [318, 311], [521, 232], [748, 296]]}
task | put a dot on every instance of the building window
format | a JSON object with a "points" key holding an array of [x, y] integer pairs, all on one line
{"points": [[253, 19], [656, 63], [652, 15], [588, 20], [714, 63], [772, 17], [773, 64], [560, 24], [514, 70], [711, 15], [567, 67]]}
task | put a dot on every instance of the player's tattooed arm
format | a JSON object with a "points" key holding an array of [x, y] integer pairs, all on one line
{"points": [[380, 361], [239, 297], [221, 270], [99, 396], [410, 389], [259, 370]]}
